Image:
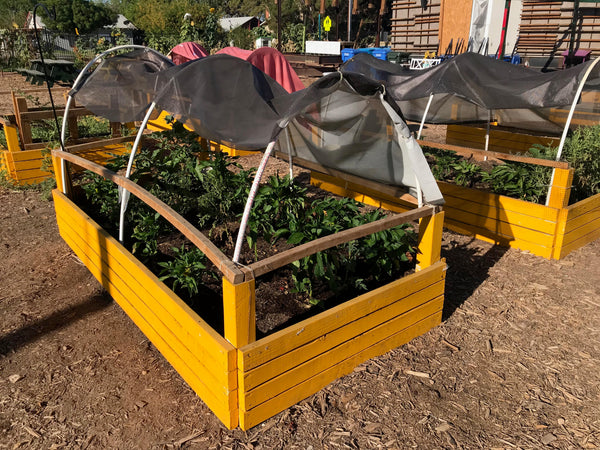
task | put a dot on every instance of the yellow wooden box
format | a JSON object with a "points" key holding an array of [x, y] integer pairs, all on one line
{"points": [[24, 167], [549, 231], [244, 381]]}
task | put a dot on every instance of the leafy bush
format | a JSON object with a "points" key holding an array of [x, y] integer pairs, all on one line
{"points": [[582, 151], [184, 269], [523, 181]]}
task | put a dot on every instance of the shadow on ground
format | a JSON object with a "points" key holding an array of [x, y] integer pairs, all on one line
{"points": [[59, 319], [467, 270]]}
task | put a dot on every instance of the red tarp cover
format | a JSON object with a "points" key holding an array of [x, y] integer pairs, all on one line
{"points": [[235, 51], [274, 64], [187, 51]]}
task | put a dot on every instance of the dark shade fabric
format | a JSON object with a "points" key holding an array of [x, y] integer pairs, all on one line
{"points": [[123, 86], [467, 87], [342, 121]]}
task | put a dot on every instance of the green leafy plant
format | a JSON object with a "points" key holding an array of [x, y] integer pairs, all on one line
{"points": [[582, 151], [441, 162], [466, 173], [224, 191], [278, 207], [524, 181], [184, 270]]}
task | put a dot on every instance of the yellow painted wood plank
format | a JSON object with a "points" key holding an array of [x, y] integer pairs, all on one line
{"points": [[219, 383], [288, 379], [27, 155], [28, 165], [332, 338], [485, 235], [499, 214], [584, 206], [288, 398], [31, 174], [589, 227], [224, 406], [213, 343], [573, 223], [239, 310], [500, 201], [299, 334], [11, 134], [580, 242], [498, 228]]}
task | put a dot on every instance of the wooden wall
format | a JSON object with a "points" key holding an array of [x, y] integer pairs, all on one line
{"points": [[414, 29], [544, 23]]}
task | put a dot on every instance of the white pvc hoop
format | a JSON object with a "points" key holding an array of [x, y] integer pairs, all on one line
{"points": [[125, 192], [63, 164], [250, 201], [425, 115], [568, 122]]}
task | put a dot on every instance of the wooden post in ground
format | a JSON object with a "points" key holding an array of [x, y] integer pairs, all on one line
{"points": [[239, 309], [561, 188], [430, 236]]}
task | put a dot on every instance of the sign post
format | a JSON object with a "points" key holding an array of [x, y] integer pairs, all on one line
{"points": [[327, 25]]}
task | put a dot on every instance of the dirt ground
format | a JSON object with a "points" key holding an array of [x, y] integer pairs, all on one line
{"points": [[515, 363]]}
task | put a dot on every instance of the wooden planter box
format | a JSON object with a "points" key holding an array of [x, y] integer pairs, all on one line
{"points": [[23, 161], [242, 380], [500, 141], [549, 231]]}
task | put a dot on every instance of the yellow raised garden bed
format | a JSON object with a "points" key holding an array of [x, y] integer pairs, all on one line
{"points": [[550, 231], [241, 379]]}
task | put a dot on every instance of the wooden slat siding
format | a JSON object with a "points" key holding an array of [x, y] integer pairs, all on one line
{"points": [[212, 252], [331, 339], [500, 141], [219, 384], [379, 332], [248, 419], [424, 27], [223, 404], [209, 343], [495, 200], [359, 192], [297, 335]]}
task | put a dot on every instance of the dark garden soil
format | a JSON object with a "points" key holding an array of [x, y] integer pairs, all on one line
{"points": [[515, 363]]}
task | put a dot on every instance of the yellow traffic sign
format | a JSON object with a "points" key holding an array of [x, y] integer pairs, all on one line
{"points": [[327, 23]]}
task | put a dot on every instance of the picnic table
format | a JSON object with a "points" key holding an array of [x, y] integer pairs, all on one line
{"points": [[56, 69]]}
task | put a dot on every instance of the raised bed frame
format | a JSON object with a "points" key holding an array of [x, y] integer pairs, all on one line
{"points": [[243, 380], [23, 159], [551, 231]]}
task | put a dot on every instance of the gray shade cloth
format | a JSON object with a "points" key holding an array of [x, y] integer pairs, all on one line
{"points": [[469, 85], [343, 122]]}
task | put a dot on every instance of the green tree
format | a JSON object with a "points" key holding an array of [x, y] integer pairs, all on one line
{"points": [[83, 15], [14, 12]]}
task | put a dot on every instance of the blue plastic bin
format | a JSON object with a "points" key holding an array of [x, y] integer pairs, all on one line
{"points": [[347, 53]]}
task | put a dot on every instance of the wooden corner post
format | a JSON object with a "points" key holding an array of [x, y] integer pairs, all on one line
{"points": [[239, 310], [430, 238], [561, 188], [12, 137]]}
